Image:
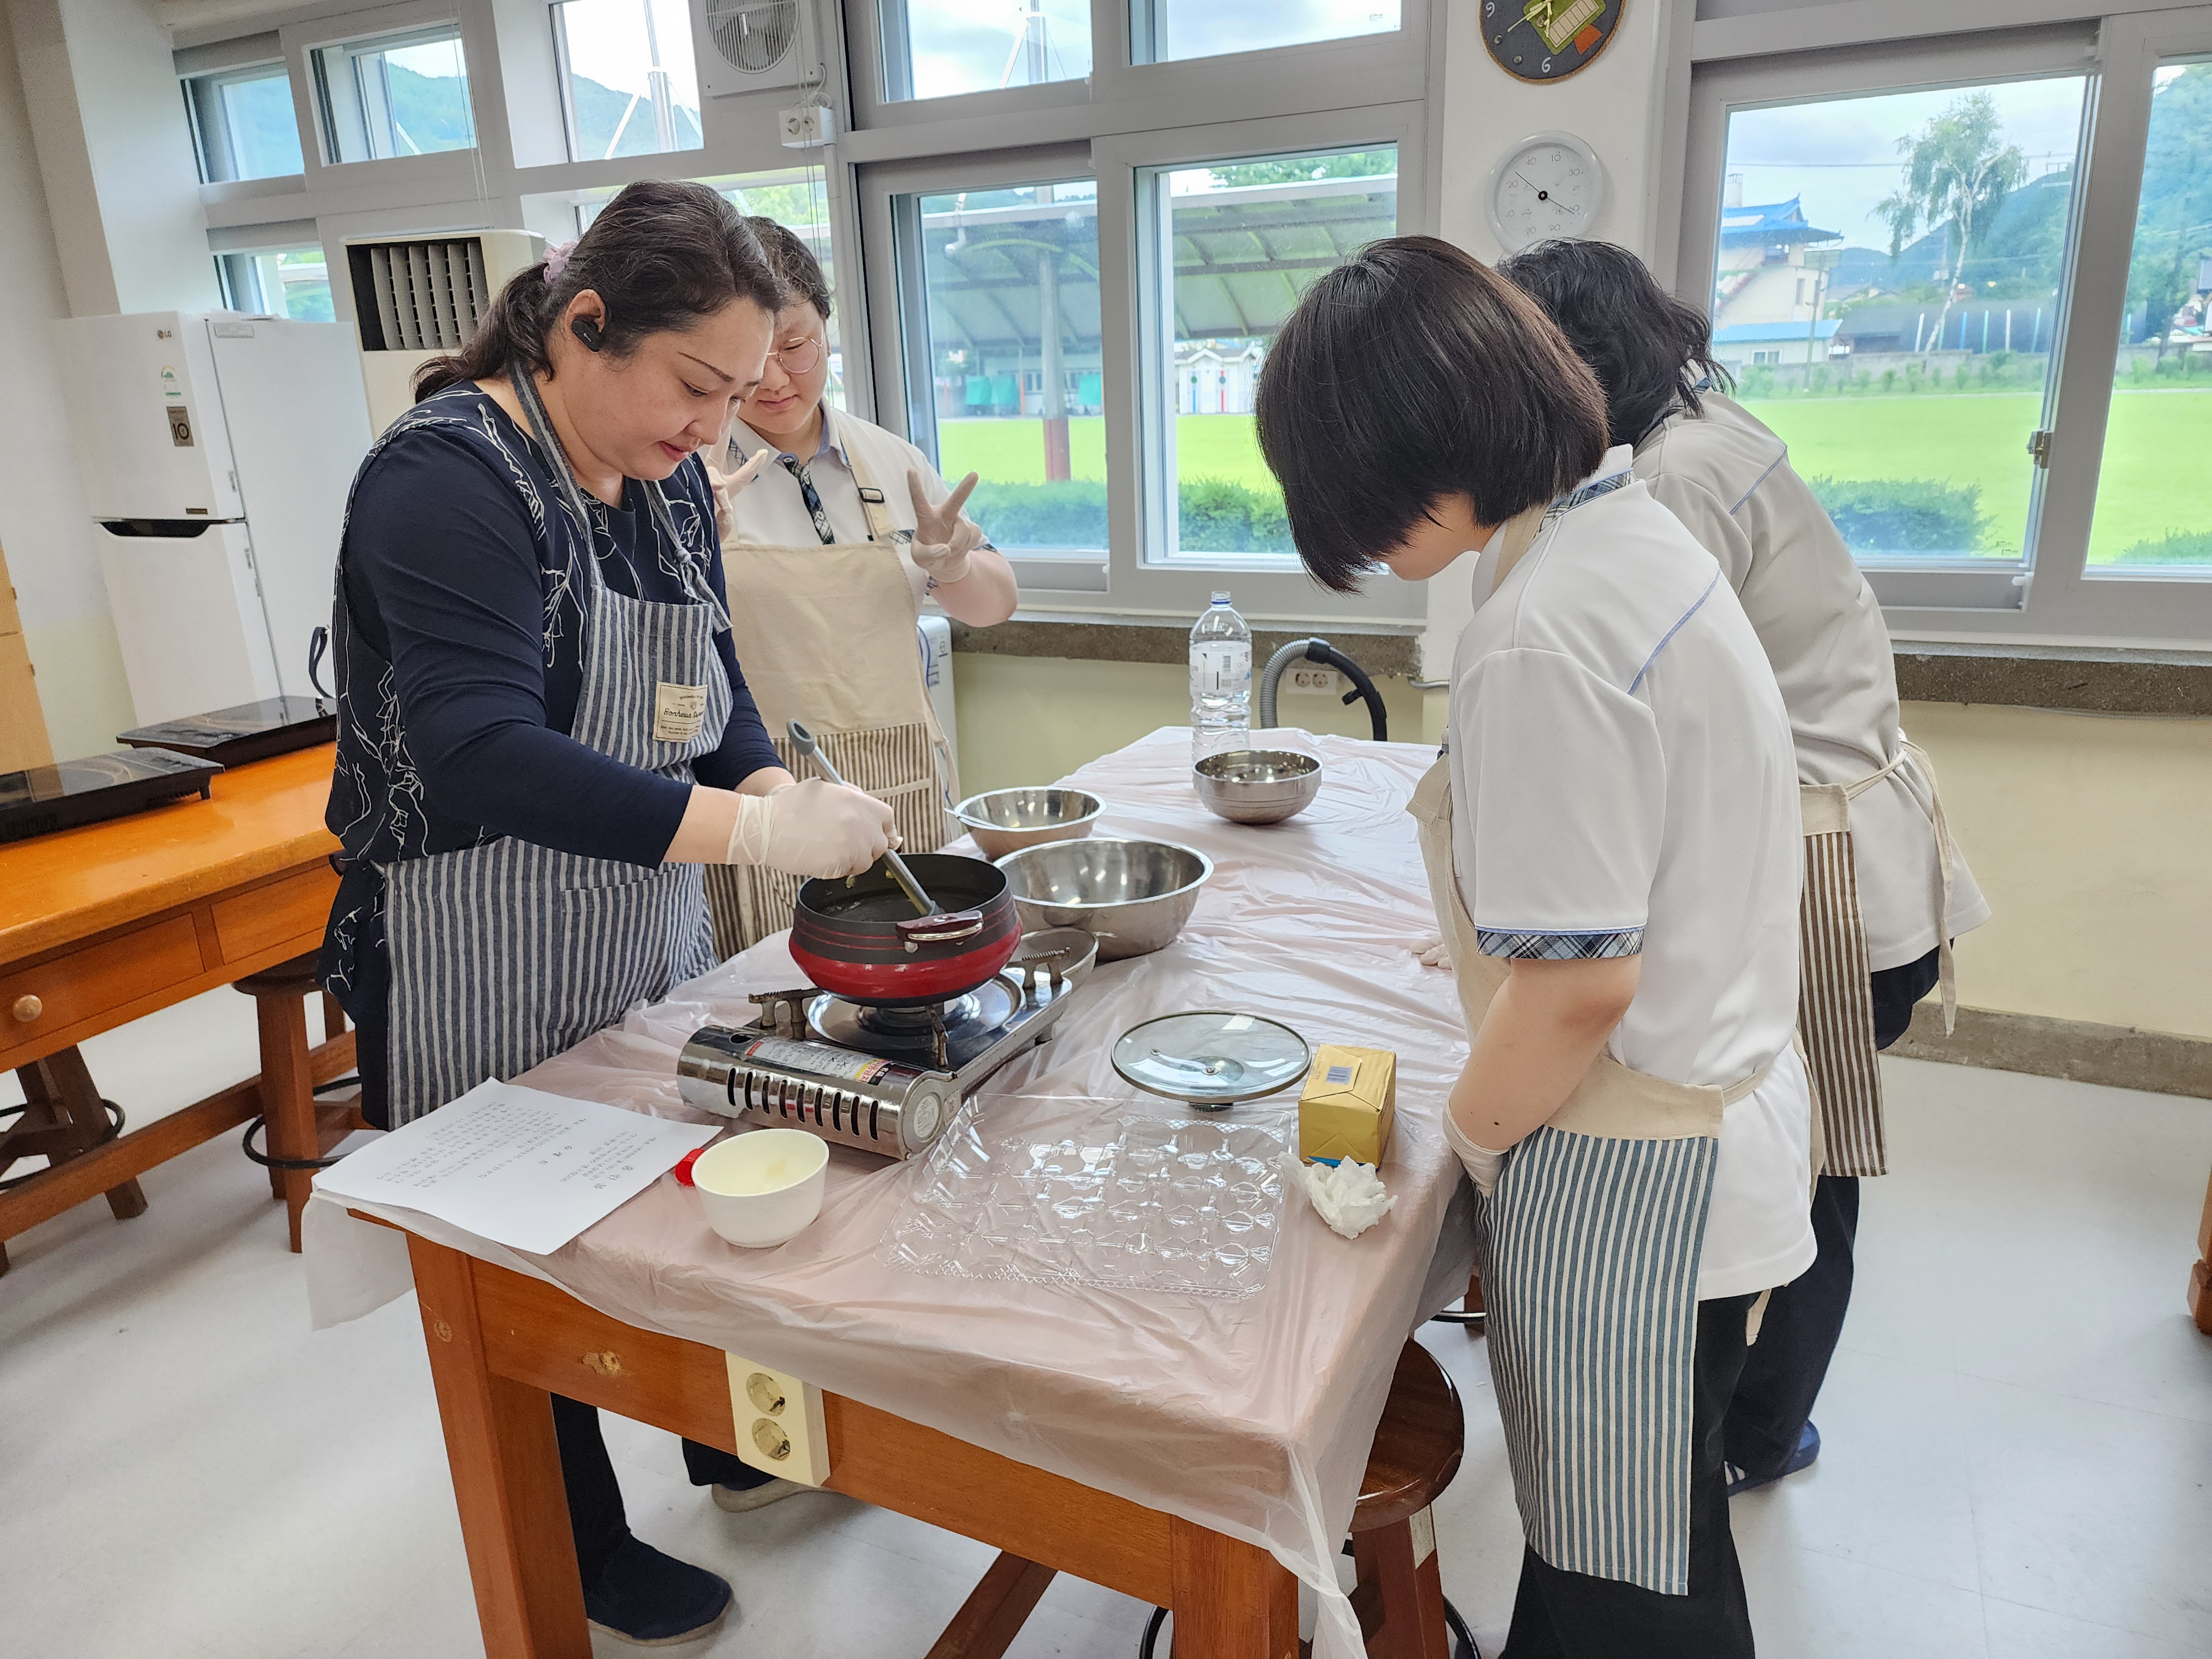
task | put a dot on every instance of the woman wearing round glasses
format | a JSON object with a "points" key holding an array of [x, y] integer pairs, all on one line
{"points": [[831, 540]]}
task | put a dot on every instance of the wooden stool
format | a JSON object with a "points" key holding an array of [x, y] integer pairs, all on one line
{"points": [[1399, 1595], [62, 1118], [296, 1126]]}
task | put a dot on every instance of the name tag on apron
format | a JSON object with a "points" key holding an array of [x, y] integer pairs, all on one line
{"points": [[678, 711]]}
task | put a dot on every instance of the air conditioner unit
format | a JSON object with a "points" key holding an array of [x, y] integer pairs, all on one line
{"points": [[756, 45], [419, 297]]}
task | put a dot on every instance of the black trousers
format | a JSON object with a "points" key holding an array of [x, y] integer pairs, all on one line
{"points": [[1572, 1615], [595, 1501], [1782, 1375]]}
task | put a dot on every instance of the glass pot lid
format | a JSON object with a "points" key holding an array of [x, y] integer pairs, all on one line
{"points": [[1211, 1058]]}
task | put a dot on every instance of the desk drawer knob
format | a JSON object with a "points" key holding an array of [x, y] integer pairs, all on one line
{"points": [[28, 1008]]}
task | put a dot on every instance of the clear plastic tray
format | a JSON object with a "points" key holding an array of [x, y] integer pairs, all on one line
{"points": [[1127, 1200]]}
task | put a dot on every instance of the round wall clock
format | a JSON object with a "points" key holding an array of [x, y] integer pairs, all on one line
{"points": [[1547, 40], [1549, 185]]}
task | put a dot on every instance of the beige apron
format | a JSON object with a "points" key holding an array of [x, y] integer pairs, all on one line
{"points": [[1587, 1251], [826, 633], [1835, 997]]}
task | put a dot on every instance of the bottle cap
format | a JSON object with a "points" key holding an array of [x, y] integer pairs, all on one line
{"points": [[1221, 598]]}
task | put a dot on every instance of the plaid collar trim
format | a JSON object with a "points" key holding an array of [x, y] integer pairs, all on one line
{"points": [[1587, 493]]}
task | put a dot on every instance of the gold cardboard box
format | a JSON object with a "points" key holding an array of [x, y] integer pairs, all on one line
{"points": [[1351, 1096]]}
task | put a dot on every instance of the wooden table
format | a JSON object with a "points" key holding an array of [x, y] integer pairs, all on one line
{"points": [[100, 925], [501, 1343]]}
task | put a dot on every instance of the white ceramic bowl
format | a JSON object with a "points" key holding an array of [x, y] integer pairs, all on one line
{"points": [[763, 1187]]}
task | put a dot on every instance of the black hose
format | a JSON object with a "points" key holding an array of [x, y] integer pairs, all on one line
{"points": [[1363, 689]]}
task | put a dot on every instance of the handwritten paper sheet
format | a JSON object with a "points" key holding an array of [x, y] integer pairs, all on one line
{"points": [[523, 1169]]}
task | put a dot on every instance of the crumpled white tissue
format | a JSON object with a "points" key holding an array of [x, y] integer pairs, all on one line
{"points": [[1349, 1196]]}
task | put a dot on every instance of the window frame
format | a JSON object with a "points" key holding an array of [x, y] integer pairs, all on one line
{"points": [[272, 67], [1134, 581], [2048, 597], [563, 68]]}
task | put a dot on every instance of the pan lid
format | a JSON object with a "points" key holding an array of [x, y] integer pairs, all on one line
{"points": [[1212, 1057]]}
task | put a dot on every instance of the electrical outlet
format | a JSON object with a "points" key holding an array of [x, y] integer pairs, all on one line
{"points": [[807, 126], [1313, 678], [779, 1424]]}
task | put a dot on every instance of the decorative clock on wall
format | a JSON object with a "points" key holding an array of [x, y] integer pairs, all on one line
{"points": [[1549, 185], [1547, 40]]}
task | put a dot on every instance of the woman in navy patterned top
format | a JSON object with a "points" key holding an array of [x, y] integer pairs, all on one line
{"points": [[544, 733]]}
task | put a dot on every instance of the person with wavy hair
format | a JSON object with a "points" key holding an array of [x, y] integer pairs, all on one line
{"points": [[544, 734], [1885, 888], [1611, 841]]}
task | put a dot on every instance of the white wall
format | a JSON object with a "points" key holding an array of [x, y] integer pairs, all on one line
{"points": [[46, 525]]}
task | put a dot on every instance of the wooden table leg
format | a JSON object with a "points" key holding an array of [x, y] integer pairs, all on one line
{"points": [[334, 1016], [288, 1100], [1232, 1600], [506, 1475], [2200, 1276], [995, 1610], [65, 1119]]}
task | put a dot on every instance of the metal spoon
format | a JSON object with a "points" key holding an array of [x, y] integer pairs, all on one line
{"points": [[803, 740]]}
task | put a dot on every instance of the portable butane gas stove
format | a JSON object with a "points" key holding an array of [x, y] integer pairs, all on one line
{"points": [[884, 1080]]}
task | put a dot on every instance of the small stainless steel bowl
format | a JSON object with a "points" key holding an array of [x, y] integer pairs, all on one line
{"points": [[1257, 786], [1133, 896], [1006, 820]]}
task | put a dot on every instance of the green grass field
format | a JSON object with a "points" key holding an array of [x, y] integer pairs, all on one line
{"points": [[2155, 477]]}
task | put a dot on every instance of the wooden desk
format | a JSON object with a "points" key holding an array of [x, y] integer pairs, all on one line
{"points": [[100, 925], [499, 1343]]}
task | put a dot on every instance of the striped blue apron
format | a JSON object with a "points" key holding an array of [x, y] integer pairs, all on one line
{"points": [[506, 953], [1587, 1251]]}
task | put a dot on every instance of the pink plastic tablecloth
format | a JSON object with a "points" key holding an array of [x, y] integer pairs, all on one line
{"points": [[1251, 1416]]}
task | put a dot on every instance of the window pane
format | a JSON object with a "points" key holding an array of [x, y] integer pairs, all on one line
{"points": [[1165, 29], [1885, 294], [243, 121], [2154, 513], [630, 84], [797, 198], [1239, 243], [290, 282], [1010, 297], [399, 95], [935, 48]]}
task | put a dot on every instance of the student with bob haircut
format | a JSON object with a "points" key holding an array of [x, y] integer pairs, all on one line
{"points": [[1885, 890], [1611, 840]]}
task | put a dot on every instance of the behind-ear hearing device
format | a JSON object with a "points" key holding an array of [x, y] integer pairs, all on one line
{"points": [[588, 332]]}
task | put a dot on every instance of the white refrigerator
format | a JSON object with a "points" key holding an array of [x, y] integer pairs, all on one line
{"points": [[217, 450]]}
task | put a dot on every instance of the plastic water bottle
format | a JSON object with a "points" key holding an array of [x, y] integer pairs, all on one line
{"points": [[1220, 681]]}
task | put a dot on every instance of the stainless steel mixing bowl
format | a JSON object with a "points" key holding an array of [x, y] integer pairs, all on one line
{"points": [[1004, 820], [1257, 786], [1132, 896]]}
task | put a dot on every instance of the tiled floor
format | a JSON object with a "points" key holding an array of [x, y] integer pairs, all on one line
{"points": [[2018, 1429]]}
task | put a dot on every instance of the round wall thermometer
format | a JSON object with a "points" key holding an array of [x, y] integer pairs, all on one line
{"points": [[1547, 40], [1550, 185]]}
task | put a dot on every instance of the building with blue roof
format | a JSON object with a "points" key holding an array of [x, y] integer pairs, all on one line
{"points": [[1761, 276]]}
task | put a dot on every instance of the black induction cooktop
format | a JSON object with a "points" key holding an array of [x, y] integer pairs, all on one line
{"points": [[251, 732], [45, 798]]}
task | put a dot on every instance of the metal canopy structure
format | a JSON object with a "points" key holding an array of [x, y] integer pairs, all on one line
{"points": [[1243, 256]]}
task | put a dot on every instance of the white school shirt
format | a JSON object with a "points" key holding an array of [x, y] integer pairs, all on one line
{"points": [[1728, 479], [771, 511], [1622, 785]]}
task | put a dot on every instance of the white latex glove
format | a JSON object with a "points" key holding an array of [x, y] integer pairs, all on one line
{"points": [[1481, 1163], [728, 485], [813, 828], [943, 539], [1431, 951]]}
